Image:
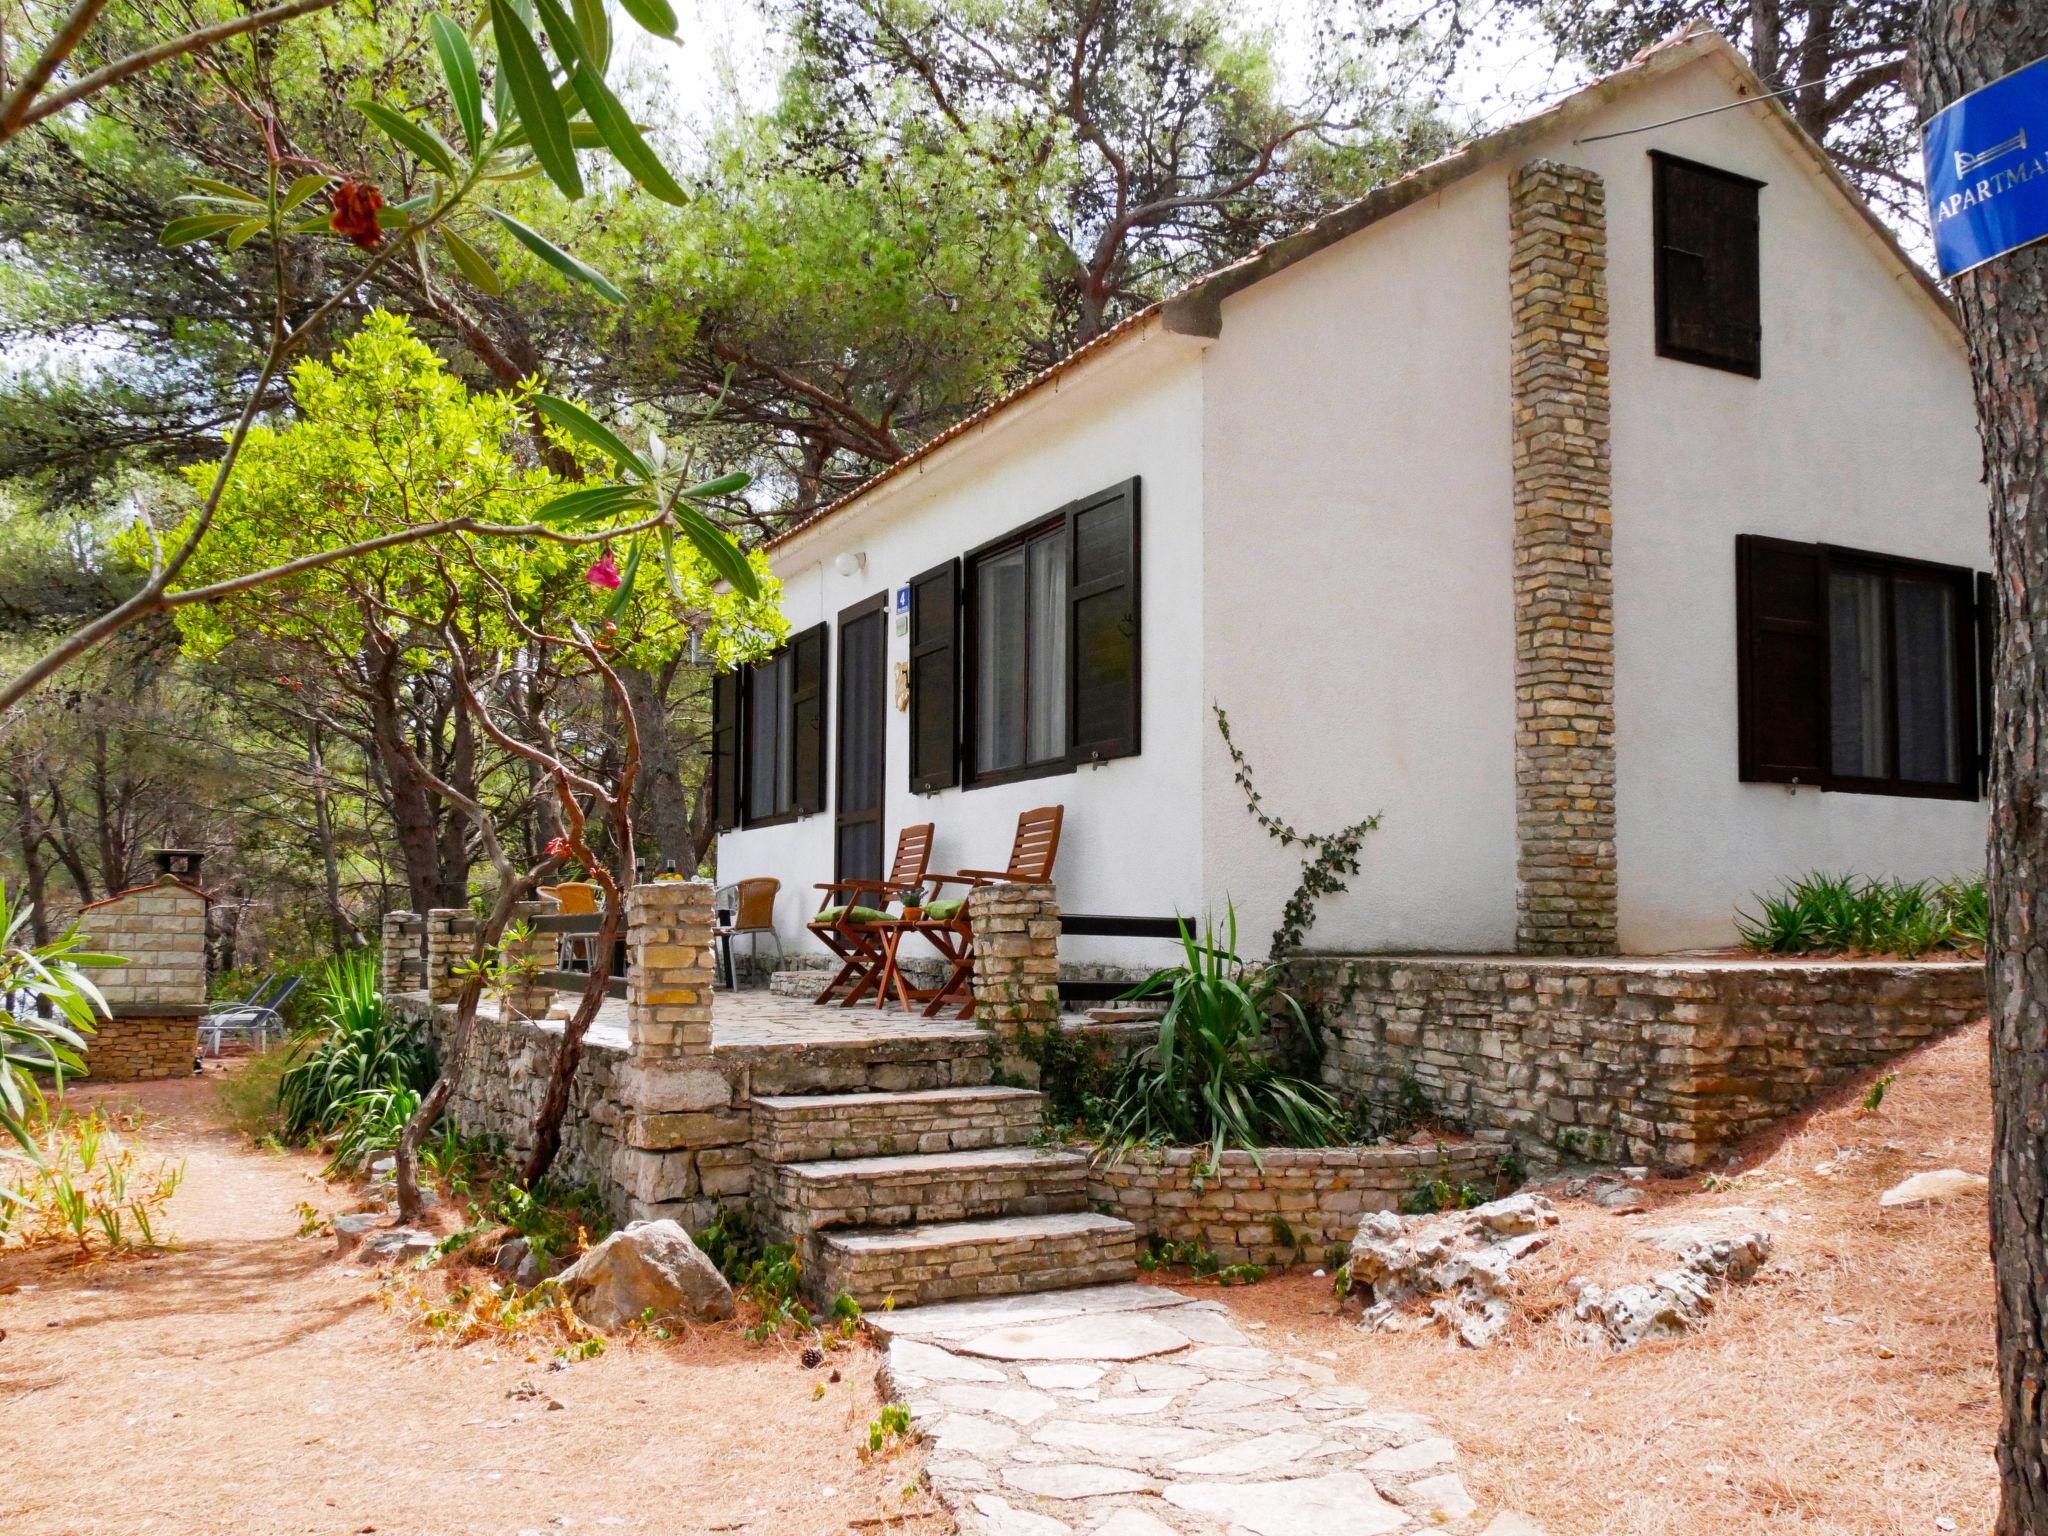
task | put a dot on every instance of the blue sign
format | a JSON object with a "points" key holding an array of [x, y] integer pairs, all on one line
{"points": [[1987, 170]]}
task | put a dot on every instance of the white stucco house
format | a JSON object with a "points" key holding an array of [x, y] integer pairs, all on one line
{"points": [[1600, 505]]}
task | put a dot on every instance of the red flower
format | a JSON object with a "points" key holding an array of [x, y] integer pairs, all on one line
{"points": [[558, 847], [355, 213], [604, 572]]}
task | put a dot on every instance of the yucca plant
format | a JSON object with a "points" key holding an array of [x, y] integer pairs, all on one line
{"points": [[357, 1046], [1210, 1078]]}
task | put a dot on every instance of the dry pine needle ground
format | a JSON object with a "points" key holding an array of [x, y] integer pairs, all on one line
{"points": [[1849, 1389]]}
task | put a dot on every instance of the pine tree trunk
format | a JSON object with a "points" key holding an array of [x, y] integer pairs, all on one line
{"points": [[1960, 46]]}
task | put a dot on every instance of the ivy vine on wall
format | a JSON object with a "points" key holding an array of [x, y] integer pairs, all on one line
{"points": [[1332, 856]]}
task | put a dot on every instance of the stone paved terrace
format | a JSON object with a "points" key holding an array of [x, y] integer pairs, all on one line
{"points": [[754, 1018]]}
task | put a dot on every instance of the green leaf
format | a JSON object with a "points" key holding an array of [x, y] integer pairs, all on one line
{"points": [[197, 226], [595, 23], [533, 94], [242, 233], [593, 503], [582, 135], [622, 138], [655, 15], [717, 547], [222, 189], [558, 258], [300, 190], [425, 144], [587, 429], [627, 578], [471, 262], [458, 67], [724, 485]]}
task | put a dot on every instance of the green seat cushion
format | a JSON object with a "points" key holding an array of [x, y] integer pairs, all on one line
{"points": [[945, 911], [857, 915]]}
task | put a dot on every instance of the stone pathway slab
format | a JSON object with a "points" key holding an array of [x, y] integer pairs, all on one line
{"points": [[1128, 1410]]}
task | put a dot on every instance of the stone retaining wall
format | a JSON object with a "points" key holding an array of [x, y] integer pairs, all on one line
{"points": [[131, 1049], [1295, 1207], [1622, 1061]]}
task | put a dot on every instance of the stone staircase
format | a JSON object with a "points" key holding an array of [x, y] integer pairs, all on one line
{"points": [[926, 1194]]}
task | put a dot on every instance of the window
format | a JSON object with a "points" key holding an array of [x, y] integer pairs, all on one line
{"points": [[1042, 642], [1708, 285], [1020, 654], [768, 736], [1858, 671]]}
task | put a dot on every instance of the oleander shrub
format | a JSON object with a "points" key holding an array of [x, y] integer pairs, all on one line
{"points": [[1823, 914]]}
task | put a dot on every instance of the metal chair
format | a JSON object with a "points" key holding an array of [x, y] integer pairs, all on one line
{"points": [[752, 904], [257, 1017]]}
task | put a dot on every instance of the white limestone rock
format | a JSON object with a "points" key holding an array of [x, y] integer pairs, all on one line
{"points": [[1935, 1185], [647, 1265], [1459, 1263], [1674, 1302]]}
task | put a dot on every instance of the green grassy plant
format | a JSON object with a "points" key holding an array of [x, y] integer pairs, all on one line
{"points": [[1210, 1077], [1847, 914], [246, 1096], [82, 1186]]}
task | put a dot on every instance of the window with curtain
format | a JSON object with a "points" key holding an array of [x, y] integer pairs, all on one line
{"points": [[1020, 602], [1859, 671]]}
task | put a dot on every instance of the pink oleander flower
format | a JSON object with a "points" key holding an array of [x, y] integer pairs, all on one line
{"points": [[604, 572]]}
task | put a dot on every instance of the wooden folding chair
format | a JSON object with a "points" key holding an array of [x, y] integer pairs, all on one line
{"points": [[855, 938], [1032, 852]]}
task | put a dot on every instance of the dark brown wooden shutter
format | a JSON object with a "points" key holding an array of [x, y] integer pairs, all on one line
{"points": [[935, 678], [1103, 637], [806, 744], [1708, 277], [1781, 660], [1987, 636], [725, 751]]}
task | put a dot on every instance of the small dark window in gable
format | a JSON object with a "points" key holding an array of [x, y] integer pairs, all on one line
{"points": [[1708, 279]]}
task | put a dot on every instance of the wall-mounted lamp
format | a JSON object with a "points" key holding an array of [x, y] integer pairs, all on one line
{"points": [[850, 563]]}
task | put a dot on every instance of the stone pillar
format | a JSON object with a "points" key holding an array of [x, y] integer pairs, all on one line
{"points": [[1016, 966], [1564, 580], [524, 995], [686, 1124], [154, 998], [451, 937], [668, 969], [403, 967]]}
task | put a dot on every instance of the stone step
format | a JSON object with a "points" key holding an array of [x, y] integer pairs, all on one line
{"points": [[1006, 1256], [925, 1187], [857, 1051], [809, 1128]]}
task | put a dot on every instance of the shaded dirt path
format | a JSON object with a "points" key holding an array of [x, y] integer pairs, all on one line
{"points": [[250, 1383]]}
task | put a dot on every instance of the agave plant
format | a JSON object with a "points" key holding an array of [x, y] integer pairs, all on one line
{"points": [[356, 1047], [1211, 1078], [47, 1007]]}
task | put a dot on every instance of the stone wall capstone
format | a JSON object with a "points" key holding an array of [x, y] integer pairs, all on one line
{"points": [[1664, 1062]]}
